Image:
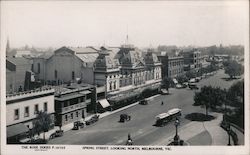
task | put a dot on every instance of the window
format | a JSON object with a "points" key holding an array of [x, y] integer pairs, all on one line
{"points": [[32, 67], [115, 85], [110, 85], [36, 109], [38, 67], [55, 74], [45, 106], [77, 114], [73, 75], [66, 117], [26, 112], [65, 104], [71, 115], [16, 114]]}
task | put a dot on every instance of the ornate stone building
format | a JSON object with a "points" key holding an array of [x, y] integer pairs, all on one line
{"points": [[126, 70]]}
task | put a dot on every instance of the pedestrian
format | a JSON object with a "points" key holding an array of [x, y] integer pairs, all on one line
{"points": [[162, 103]]}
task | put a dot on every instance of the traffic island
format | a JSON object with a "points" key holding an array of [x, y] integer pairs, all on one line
{"points": [[200, 117]]}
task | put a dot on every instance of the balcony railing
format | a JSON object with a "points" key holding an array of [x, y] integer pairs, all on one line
{"points": [[76, 106], [29, 93]]}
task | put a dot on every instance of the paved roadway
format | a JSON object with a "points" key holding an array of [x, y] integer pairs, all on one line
{"points": [[108, 131]]}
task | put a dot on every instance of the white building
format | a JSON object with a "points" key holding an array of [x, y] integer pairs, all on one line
{"points": [[126, 71], [22, 109]]}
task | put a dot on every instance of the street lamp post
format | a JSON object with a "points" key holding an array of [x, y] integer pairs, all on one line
{"points": [[176, 137], [228, 132]]}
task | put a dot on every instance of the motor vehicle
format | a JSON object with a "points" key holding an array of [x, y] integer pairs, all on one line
{"points": [[144, 102], [192, 86], [92, 120], [163, 118], [78, 125], [57, 133], [192, 80], [178, 86], [164, 92], [125, 117], [185, 85], [197, 79]]}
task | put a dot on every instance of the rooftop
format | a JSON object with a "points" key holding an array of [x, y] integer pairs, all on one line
{"points": [[18, 60]]}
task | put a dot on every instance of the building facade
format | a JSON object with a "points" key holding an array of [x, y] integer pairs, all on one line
{"points": [[15, 73], [192, 60], [67, 64], [74, 103], [22, 108], [172, 65], [127, 72]]}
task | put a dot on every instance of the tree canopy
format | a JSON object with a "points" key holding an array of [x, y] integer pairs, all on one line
{"points": [[232, 68], [210, 97], [42, 122]]}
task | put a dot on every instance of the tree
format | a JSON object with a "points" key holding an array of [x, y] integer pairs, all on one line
{"points": [[42, 123], [210, 97], [190, 74], [182, 78], [166, 82], [235, 95], [235, 98], [233, 69]]}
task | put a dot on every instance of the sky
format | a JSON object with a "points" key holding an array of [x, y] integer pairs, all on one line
{"points": [[87, 23]]}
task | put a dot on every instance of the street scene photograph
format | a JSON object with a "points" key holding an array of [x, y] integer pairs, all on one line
{"points": [[125, 73]]}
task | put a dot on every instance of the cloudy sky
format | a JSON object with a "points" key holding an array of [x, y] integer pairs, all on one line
{"points": [[83, 23]]}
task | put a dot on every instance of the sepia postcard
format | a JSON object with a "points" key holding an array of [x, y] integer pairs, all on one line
{"points": [[125, 77]]}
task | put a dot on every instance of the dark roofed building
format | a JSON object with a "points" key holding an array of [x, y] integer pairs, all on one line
{"points": [[15, 73]]}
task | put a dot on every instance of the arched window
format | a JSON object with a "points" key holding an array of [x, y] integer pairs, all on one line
{"points": [[110, 85]]}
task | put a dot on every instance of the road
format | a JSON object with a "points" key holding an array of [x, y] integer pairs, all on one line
{"points": [[108, 131]]}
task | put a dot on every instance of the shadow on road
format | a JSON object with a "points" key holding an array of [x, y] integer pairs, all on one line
{"points": [[229, 79], [200, 117]]}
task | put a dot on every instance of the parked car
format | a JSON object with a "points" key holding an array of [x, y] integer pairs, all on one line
{"points": [[164, 91], [57, 133], [78, 125], [92, 120], [192, 80], [192, 86], [197, 79], [144, 102], [179, 86], [185, 85], [125, 117]]}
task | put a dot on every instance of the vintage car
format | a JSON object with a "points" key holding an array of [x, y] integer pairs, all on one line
{"points": [[57, 133], [78, 125], [125, 117], [164, 92], [144, 102], [92, 120], [192, 86]]}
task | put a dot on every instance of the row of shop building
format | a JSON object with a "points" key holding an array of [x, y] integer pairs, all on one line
{"points": [[76, 82]]}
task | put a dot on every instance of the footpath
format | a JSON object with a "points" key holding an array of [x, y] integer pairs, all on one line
{"points": [[194, 130]]}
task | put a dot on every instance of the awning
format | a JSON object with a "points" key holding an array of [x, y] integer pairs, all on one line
{"points": [[85, 92], [104, 103], [16, 129]]}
